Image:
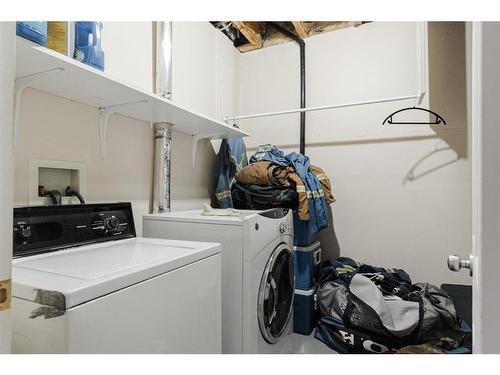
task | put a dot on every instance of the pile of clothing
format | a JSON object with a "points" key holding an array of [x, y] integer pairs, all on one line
{"points": [[366, 309], [273, 179]]}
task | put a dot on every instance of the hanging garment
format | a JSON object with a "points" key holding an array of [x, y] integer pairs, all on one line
{"points": [[267, 173], [232, 157], [325, 183], [317, 206]]}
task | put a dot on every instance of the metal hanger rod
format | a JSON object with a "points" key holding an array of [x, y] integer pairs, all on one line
{"points": [[321, 108], [422, 54]]}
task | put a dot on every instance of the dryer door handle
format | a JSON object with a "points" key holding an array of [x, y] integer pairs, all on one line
{"points": [[271, 285]]}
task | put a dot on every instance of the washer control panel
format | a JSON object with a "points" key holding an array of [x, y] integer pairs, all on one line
{"points": [[42, 229], [282, 217]]}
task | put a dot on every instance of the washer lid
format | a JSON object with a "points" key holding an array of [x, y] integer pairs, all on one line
{"points": [[70, 277], [195, 216]]}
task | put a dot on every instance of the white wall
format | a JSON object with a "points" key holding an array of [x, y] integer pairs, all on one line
{"points": [[128, 48], [203, 79], [381, 217], [57, 129]]}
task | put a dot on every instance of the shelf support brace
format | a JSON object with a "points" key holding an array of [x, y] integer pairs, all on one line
{"points": [[21, 84], [197, 138], [104, 113]]}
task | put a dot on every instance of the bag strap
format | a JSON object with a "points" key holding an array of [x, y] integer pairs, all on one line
{"points": [[346, 316], [418, 332], [248, 197]]}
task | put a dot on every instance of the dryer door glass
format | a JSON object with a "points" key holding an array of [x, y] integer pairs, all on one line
{"points": [[275, 302]]}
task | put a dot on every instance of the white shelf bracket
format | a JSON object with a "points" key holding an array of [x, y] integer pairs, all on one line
{"points": [[21, 84], [104, 114], [197, 138]]}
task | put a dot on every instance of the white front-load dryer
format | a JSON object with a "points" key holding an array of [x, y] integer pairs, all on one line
{"points": [[257, 272], [268, 279]]}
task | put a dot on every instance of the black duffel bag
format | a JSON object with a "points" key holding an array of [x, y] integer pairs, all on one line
{"points": [[358, 317], [263, 197]]}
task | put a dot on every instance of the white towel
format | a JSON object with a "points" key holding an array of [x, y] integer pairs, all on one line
{"points": [[209, 211]]}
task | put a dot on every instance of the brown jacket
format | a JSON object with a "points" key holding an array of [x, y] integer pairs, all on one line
{"points": [[266, 173]]}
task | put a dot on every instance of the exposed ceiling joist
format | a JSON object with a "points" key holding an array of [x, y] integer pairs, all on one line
{"points": [[253, 31], [323, 27], [300, 29], [251, 35]]}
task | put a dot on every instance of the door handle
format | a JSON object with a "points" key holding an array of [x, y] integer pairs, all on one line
{"points": [[455, 263]]}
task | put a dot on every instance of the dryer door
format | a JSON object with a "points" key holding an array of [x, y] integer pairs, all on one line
{"points": [[275, 298]]}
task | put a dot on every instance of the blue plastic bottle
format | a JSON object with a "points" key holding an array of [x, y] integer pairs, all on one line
{"points": [[33, 30], [88, 44]]}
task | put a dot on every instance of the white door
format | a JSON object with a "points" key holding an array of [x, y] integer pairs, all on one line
{"points": [[7, 74], [486, 185]]}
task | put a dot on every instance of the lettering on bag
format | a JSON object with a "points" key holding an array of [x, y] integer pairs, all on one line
{"points": [[368, 345]]}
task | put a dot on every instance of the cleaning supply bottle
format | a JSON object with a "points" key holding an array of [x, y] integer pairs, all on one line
{"points": [[57, 36], [88, 44], [36, 31]]}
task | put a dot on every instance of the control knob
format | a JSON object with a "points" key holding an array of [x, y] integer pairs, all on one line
{"points": [[283, 227], [23, 233], [111, 223]]}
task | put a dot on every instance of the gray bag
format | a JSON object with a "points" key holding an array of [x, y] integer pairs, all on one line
{"points": [[440, 318], [426, 314]]}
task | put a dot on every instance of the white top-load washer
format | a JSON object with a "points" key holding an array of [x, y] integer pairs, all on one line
{"points": [[257, 272], [83, 283]]}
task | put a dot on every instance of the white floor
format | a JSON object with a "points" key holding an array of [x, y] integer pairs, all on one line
{"points": [[309, 345]]}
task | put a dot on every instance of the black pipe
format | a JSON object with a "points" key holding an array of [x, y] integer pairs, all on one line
{"points": [[302, 46]]}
